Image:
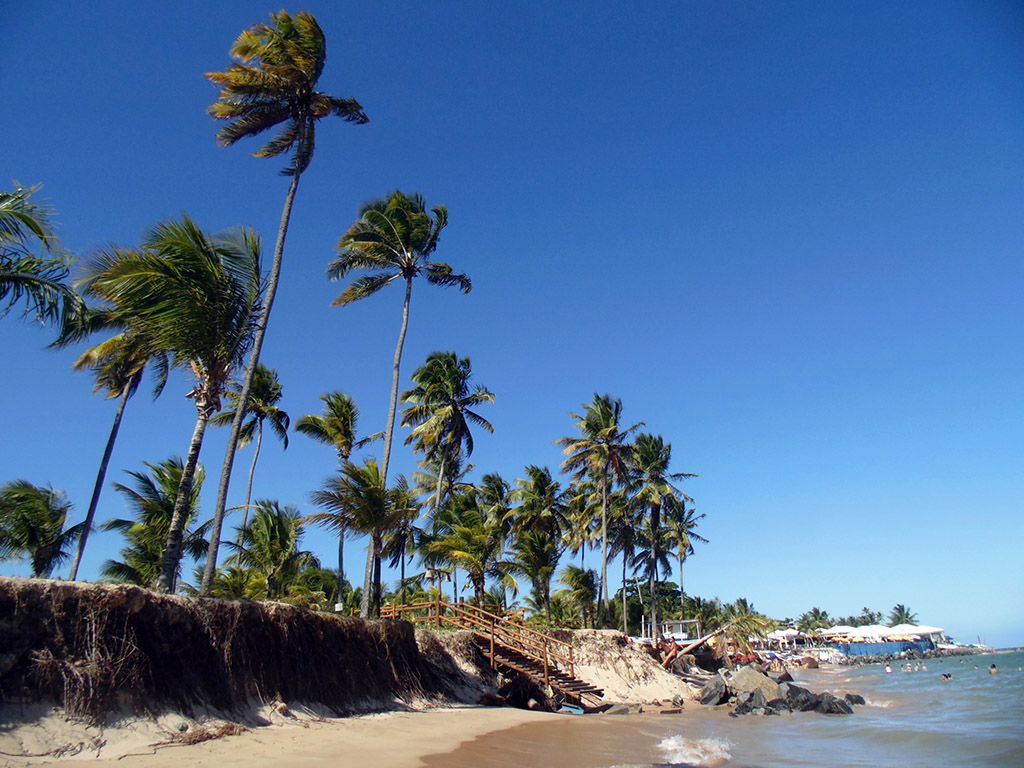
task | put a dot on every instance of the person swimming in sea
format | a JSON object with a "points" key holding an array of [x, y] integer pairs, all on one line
{"points": [[993, 670], [888, 669], [946, 676]]}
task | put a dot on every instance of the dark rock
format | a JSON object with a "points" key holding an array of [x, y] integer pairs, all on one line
{"points": [[491, 700], [524, 692], [778, 706], [785, 677], [799, 699], [855, 698], [750, 702], [714, 692], [830, 705]]}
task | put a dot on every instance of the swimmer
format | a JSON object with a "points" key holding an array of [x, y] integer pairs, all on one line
{"points": [[924, 667], [946, 676], [888, 669], [993, 670]]}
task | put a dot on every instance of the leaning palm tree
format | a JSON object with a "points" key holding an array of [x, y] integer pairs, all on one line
{"points": [[337, 427], [262, 406], [600, 452], [356, 499], [151, 498], [650, 484], [272, 85], [32, 520], [438, 410], [118, 364], [36, 277], [393, 240], [197, 296]]}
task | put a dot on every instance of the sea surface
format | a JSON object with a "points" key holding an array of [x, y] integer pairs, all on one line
{"points": [[911, 720]]}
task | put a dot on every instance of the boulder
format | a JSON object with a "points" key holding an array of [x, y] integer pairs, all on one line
{"points": [[855, 698], [799, 699], [747, 679], [751, 702], [778, 706], [830, 705], [714, 692], [785, 677]]}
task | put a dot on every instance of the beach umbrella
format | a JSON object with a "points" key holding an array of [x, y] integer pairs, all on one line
{"points": [[839, 629], [874, 632]]}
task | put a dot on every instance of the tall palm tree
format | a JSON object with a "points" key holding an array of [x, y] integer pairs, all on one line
{"points": [[392, 240], [535, 555], [582, 584], [624, 526], [680, 521], [601, 452], [337, 427], [151, 499], [438, 409], [900, 614], [197, 296], [273, 84], [36, 277], [582, 516], [357, 499], [650, 484], [32, 520], [262, 406], [541, 504], [118, 364], [269, 544], [399, 540]]}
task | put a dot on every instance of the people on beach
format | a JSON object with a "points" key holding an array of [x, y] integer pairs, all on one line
{"points": [[993, 670], [888, 669]]}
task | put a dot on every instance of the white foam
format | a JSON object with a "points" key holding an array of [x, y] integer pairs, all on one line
{"points": [[879, 703], [702, 752]]}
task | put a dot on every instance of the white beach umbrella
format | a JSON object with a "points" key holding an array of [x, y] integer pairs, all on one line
{"points": [[924, 629], [839, 629], [783, 634], [873, 631]]}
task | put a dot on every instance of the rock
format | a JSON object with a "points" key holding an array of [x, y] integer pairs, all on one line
{"points": [[799, 699], [714, 692], [830, 705], [491, 700], [748, 679], [750, 702], [785, 677], [617, 709], [855, 698], [809, 662], [778, 706]]}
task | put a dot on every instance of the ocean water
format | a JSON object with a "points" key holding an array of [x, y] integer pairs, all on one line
{"points": [[911, 720]]}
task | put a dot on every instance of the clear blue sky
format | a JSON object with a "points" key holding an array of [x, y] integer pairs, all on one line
{"points": [[787, 235]]}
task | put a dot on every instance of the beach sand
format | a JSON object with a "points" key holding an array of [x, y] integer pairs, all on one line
{"points": [[385, 740]]}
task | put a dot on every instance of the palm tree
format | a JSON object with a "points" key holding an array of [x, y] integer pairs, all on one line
{"points": [[680, 521], [438, 409], [269, 544], [118, 364], [650, 482], [336, 427], [602, 452], [400, 539], [196, 296], [535, 556], [152, 500], [392, 240], [813, 619], [900, 614], [24, 274], [581, 514], [356, 499], [541, 504], [32, 520], [468, 538], [272, 85], [624, 526], [262, 406], [582, 584]]}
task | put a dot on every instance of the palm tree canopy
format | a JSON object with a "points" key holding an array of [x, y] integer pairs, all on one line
{"points": [[32, 520], [392, 238], [601, 449], [356, 499], [273, 85], [337, 425], [262, 406], [270, 542]]}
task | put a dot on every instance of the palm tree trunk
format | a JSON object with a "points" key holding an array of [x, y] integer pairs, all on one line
{"points": [[682, 592], [252, 471], [172, 552], [243, 395], [655, 524], [625, 612], [440, 482], [605, 605], [366, 600], [341, 558], [95, 500], [389, 429]]}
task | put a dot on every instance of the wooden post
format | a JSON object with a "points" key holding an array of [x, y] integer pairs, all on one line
{"points": [[546, 681], [438, 606], [492, 643], [572, 663]]}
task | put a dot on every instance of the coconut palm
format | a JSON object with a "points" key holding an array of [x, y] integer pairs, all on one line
{"points": [[32, 520], [118, 364], [535, 555], [813, 619], [356, 499], [900, 614], [151, 498], [269, 544], [36, 277], [581, 515], [272, 85], [262, 406], [541, 504], [438, 410], [680, 522], [399, 540], [624, 524], [337, 427], [392, 240], [600, 452], [650, 484], [582, 589], [197, 296]]}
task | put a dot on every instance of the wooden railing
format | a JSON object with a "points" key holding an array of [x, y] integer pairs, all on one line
{"points": [[501, 632]]}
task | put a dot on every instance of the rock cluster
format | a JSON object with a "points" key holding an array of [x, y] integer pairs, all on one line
{"points": [[754, 693]]}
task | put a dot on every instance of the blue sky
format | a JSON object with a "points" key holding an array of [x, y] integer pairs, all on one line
{"points": [[787, 235]]}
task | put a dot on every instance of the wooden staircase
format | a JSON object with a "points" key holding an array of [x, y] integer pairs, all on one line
{"points": [[508, 644]]}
